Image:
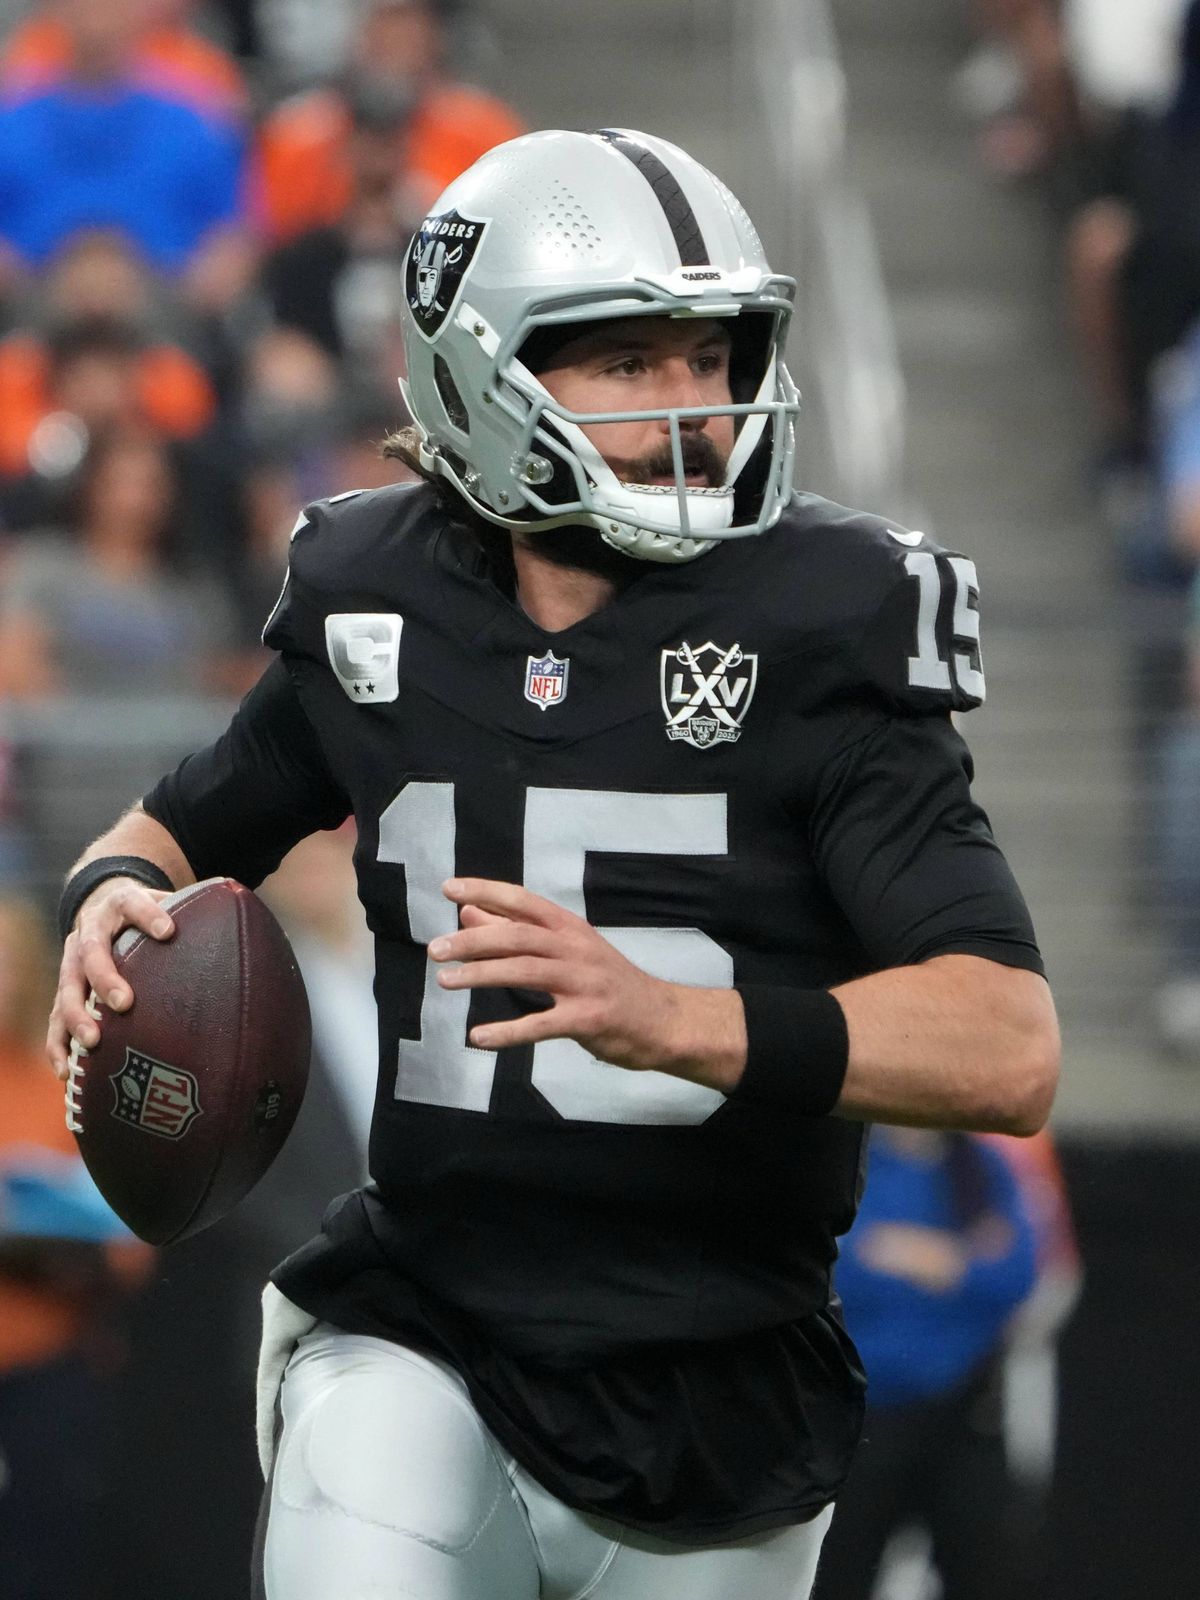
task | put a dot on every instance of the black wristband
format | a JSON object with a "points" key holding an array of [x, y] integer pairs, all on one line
{"points": [[797, 1049], [90, 876]]}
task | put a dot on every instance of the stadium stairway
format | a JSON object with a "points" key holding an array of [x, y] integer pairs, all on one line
{"points": [[998, 438], [996, 441]]}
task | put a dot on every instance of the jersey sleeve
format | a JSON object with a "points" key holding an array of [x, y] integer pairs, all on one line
{"points": [[279, 632], [317, 556], [236, 808], [907, 853]]}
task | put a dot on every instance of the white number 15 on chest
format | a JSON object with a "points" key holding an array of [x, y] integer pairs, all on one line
{"points": [[561, 827]]}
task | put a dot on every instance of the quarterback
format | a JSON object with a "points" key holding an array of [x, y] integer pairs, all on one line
{"points": [[666, 839]]}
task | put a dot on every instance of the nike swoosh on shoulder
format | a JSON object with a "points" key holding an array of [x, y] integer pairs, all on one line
{"points": [[906, 538]]}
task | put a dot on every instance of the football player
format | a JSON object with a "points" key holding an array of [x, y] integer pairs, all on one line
{"points": [[668, 847]]}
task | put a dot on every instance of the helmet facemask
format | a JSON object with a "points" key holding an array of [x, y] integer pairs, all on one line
{"points": [[561, 477]]}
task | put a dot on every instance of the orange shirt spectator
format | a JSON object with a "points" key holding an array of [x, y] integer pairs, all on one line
{"points": [[37, 1321], [43, 1314], [67, 1265], [395, 74], [1039, 1175], [303, 174], [173, 393]]}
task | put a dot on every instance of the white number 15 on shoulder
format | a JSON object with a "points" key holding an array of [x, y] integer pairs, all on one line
{"points": [[932, 665]]}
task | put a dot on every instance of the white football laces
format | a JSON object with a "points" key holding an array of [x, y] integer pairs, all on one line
{"points": [[76, 1069]]}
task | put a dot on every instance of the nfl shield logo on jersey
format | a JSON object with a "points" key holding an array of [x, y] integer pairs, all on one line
{"points": [[546, 679], [706, 692], [154, 1097]]}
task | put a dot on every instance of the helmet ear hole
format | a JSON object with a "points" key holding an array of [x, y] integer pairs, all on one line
{"points": [[753, 348], [562, 489], [452, 402]]}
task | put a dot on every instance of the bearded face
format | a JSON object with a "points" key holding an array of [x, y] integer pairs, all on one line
{"points": [[429, 272]]}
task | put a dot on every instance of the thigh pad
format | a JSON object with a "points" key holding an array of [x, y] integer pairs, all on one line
{"points": [[382, 1434]]}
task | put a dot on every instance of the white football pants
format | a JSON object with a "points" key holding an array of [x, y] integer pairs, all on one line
{"points": [[386, 1485]]}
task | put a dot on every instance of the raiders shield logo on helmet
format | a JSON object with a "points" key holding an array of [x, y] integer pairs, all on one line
{"points": [[438, 258]]}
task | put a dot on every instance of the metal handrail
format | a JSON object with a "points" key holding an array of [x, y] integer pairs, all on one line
{"points": [[825, 231]]}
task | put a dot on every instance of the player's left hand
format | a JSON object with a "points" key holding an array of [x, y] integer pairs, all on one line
{"points": [[511, 938]]}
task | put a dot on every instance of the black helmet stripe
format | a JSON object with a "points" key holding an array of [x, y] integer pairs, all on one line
{"points": [[693, 252]]}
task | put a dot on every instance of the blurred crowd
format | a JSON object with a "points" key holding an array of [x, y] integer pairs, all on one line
{"points": [[204, 212], [204, 215], [67, 1267], [1099, 102]]}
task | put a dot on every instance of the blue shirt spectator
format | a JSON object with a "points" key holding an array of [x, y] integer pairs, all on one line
{"points": [[940, 1256], [115, 154], [47, 1195], [1177, 419]]}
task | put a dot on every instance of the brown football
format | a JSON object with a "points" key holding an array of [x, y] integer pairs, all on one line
{"points": [[190, 1094]]}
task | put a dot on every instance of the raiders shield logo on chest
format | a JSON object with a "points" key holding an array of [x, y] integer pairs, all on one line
{"points": [[706, 692]]}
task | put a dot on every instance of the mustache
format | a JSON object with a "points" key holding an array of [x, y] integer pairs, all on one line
{"points": [[700, 458]]}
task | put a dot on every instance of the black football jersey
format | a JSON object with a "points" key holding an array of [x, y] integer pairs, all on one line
{"points": [[742, 770]]}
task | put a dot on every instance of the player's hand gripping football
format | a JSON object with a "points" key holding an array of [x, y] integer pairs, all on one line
{"points": [[87, 962], [512, 938]]}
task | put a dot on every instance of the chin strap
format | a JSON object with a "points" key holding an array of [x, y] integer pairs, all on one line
{"points": [[646, 545], [708, 511]]}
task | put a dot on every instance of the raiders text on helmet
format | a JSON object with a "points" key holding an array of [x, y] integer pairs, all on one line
{"points": [[557, 229]]}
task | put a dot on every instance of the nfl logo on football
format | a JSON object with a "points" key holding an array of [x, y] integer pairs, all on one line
{"points": [[155, 1097], [546, 679]]}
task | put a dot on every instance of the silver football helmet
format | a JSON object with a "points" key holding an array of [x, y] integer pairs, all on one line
{"points": [[556, 229]]}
